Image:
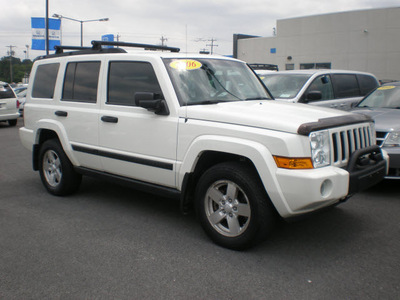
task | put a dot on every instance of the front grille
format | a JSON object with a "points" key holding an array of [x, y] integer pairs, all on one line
{"points": [[346, 140], [381, 137]]}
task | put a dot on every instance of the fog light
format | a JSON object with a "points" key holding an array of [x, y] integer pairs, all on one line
{"points": [[326, 188]]}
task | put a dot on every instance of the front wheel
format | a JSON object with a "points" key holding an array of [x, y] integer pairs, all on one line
{"points": [[233, 207], [56, 171]]}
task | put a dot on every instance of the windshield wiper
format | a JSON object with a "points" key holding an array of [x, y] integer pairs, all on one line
{"points": [[212, 74], [258, 98], [205, 102]]}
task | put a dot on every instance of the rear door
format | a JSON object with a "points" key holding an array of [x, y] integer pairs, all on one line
{"points": [[347, 90], [78, 109]]}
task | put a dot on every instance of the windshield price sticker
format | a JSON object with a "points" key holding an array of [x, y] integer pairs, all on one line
{"points": [[185, 64], [388, 87]]}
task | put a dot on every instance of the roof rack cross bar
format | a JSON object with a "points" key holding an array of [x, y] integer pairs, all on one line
{"points": [[60, 49], [97, 45]]}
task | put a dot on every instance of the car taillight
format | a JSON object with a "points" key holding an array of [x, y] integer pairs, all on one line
{"points": [[18, 104]]}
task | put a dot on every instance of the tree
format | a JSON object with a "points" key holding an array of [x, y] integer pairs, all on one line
{"points": [[19, 69]]}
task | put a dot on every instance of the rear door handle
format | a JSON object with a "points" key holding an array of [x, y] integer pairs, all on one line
{"points": [[61, 113], [109, 119]]}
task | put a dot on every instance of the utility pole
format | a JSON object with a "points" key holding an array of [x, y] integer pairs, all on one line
{"points": [[162, 40], [212, 45], [11, 53]]}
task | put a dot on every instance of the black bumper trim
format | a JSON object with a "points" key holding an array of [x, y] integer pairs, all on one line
{"points": [[367, 167]]}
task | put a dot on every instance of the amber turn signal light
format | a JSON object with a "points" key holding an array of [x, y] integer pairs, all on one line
{"points": [[293, 163]]}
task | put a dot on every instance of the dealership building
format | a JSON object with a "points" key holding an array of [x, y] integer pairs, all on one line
{"points": [[363, 40]]}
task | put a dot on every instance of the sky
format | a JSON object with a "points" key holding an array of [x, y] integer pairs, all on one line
{"points": [[191, 25]]}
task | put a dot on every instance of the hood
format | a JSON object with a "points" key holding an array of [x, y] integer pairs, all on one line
{"points": [[386, 119], [270, 114]]}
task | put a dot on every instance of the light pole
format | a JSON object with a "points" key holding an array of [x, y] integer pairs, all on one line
{"points": [[80, 21]]}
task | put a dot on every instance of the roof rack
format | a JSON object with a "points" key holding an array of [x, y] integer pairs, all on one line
{"points": [[97, 45], [97, 49]]}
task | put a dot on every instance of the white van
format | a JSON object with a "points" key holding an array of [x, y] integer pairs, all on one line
{"points": [[330, 88]]}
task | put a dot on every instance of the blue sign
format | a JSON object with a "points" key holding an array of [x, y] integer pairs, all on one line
{"points": [[273, 50], [39, 33], [108, 38]]}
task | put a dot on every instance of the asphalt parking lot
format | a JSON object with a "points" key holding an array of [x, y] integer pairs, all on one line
{"points": [[112, 242]]}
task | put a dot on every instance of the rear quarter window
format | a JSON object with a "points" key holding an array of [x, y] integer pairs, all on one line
{"points": [[367, 83], [45, 81]]}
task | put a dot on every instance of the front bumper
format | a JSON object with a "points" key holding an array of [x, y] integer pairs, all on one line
{"points": [[367, 167], [305, 191]]}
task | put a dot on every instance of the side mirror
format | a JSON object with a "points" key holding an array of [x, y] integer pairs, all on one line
{"points": [[313, 96], [150, 102]]}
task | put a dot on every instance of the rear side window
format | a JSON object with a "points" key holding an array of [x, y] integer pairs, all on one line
{"points": [[45, 81], [367, 83], [81, 81], [127, 78], [345, 85]]}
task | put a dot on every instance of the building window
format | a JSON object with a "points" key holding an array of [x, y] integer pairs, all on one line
{"points": [[315, 66], [289, 67], [323, 65]]}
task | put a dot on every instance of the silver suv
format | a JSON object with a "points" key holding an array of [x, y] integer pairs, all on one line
{"points": [[330, 88]]}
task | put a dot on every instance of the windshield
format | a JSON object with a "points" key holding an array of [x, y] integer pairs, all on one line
{"points": [[284, 86], [387, 96], [209, 81]]}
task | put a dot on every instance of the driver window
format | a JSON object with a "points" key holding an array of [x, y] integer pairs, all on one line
{"points": [[322, 84]]}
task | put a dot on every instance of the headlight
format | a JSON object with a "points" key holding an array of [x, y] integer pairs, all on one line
{"points": [[393, 139], [320, 148]]}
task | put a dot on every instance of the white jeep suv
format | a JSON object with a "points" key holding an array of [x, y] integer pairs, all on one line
{"points": [[199, 128]]}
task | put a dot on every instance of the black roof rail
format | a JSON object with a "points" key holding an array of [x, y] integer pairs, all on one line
{"points": [[60, 49], [97, 45]]}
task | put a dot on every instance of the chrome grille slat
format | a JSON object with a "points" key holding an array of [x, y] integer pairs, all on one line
{"points": [[344, 141], [381, 137]]}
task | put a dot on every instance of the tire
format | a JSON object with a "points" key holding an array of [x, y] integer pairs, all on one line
{"points": [[56, 171], [12, 122], [233, 207]]}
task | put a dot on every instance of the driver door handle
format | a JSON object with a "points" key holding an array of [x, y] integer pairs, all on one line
{"points": [[109, 119]]}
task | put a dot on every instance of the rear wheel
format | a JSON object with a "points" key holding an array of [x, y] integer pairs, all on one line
{"points": [[56, 171], [233, 207]]}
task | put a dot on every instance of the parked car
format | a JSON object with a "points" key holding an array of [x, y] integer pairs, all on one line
{"points": [[21, 96], [202, 129], [8, 104], [331, 88], [383, 105]]}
